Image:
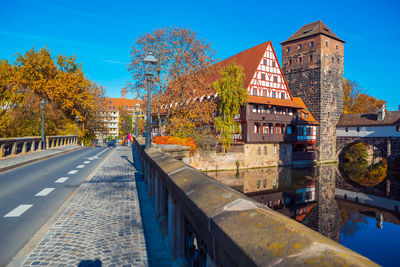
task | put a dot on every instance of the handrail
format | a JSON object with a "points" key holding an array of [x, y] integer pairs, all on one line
{"points": [[207, 222], [20, 145]]}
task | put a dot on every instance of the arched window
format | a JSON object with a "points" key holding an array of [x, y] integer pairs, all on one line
{"points": [[259, 151]]}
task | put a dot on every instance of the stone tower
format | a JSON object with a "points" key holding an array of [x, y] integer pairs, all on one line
{"points": [[123, 93], [312, 61]]}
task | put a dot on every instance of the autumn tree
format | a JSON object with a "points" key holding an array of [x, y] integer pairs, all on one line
{"points": [[232, 96], [356, 101], [179, 53], [36, 75]]}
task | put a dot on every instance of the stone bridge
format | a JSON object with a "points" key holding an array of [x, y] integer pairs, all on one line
{"points": [[389, 146]]}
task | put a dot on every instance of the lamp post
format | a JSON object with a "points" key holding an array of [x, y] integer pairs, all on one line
{"points": [[43, 106], [137, 106], [150, 64], [77, 119]]}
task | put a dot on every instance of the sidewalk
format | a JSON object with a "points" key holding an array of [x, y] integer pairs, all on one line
{"points": [[11, 162], [102, 226]]}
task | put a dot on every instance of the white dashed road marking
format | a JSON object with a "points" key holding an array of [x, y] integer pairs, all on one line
{"points": [[86, 162], [91, 158], [61, 180], [44, 192], [18, 211], [72, 171], [80, 166]]}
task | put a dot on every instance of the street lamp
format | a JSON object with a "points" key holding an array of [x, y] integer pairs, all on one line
{"points": [[43, 105], [137, 108], [150, 64], [76, 119]]}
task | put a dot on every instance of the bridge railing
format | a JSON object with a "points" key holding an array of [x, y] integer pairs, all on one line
{"points": [[206, 223], [20, 145]]}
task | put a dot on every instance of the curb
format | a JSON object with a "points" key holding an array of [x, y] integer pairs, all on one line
{"points": [[20, 257], [3, 169]]}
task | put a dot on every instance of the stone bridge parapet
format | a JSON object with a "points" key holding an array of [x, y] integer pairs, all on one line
{"points": [[206, 223], [20, 145]]}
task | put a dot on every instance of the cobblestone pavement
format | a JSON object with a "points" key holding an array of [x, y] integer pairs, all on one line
{"points": [[102, 225], [18, 160]]}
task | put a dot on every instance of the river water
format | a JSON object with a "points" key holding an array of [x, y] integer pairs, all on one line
{"points": [[364, 219]]}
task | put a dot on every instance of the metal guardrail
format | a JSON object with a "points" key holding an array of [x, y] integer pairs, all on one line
{"points": [[21, 145], [206, 223]]}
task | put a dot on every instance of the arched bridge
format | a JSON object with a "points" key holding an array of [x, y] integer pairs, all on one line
{"points": [[384, 144]]}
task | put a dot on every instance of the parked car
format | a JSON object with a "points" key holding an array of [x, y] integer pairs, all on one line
{"points": [[111, 143]]}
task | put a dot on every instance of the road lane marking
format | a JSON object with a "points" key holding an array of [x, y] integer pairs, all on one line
{"points": [[86, 162], [72, 172], [80, 166], [44, 192], [61, 180], [18, 211], [91, 158]]}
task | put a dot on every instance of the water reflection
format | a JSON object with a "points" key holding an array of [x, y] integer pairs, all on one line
{"points": [[328, 202]]}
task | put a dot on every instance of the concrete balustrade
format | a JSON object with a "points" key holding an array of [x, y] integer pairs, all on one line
{"points": [[20, 145], [206, 223]]}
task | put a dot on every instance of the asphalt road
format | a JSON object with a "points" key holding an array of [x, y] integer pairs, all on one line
{"points": [[29, 195]]}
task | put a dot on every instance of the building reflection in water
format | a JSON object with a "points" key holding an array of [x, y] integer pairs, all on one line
{"points": [[319, 197]]}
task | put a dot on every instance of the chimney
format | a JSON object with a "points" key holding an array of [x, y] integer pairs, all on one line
{"points": [[381, 113]]}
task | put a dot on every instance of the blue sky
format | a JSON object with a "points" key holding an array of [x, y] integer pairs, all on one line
{"points": [[100, 33]]}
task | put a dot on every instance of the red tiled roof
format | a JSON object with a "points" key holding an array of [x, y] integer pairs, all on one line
{"points": [[392, 118], [304, 110], [311, 29], [116, 103], [273, 101]]}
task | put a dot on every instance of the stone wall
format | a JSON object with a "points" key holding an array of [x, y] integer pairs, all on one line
{"points": [[254, 156], [211, 224]]}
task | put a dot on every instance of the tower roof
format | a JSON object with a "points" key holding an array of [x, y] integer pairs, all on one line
{"points": [[311, 29]]}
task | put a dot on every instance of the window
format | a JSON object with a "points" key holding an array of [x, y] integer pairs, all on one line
{"points": [[300, 47], [311, 58], [397, 128], [264, 62], [333, 60], [358, 129], [110, 107], [266, 129], [306, 115], [283, 95], [263, 76], [289, 129], [275, 149], [299, 59], [109, 102], [290, 62], [130, 106], [326, 43], [288, 49], [258, 150], [254, 91], [346, 129], [268, 110], [264, 92], [338, 60], [311, 44], [273, 64], [255, 108], [113, 107], [273, 94], [275, 79], [337, 47]]}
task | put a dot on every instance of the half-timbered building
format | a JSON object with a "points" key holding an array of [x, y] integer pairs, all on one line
{"points": [[272, 116]]}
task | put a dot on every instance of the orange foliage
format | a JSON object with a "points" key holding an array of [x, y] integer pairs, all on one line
{"points": [[173, 140]]}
